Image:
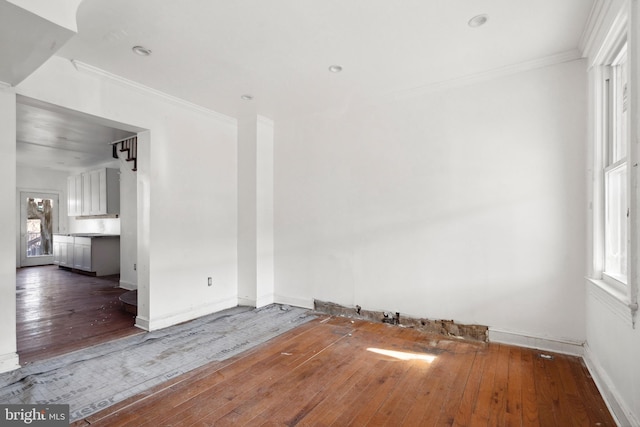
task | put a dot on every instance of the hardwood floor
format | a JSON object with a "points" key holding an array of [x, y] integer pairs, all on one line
{"points": [[334, 371], [59, 311]]}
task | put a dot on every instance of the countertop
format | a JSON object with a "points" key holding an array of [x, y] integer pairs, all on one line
{"points": [[87, 235]]}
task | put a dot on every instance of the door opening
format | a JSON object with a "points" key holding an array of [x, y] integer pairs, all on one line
{"points": [[38, 224]]}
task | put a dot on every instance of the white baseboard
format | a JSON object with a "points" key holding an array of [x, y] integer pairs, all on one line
{"points": [[573, 348], [296, 302], [193, 313], [265, 300], [621, 413], [142, 323], [9, 362], [128, 285], [246, 302]]}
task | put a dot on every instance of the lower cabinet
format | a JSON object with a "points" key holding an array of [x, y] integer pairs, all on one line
{"points": [[82, 254], [95, 254], [63, 250]]}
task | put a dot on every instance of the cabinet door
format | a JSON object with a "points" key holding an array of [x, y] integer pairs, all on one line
{"points": [[94, 192], [78, 254], [74, 195], [66, 254], [86, 193], [86, 258], [56, 252], [98, 192]]}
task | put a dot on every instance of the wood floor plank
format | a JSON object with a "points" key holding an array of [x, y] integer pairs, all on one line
{"points": [[481, 410], [59, 311], [465, 356], [471, 389], [256, 379], [327, 376]]}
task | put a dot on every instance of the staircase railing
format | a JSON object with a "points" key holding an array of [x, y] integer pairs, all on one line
{"points": [[130, 146]]}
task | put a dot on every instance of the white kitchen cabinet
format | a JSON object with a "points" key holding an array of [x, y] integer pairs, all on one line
{"points": [[95, 192], [99, 254], [82, 253], [63, 250], [74, 195]]}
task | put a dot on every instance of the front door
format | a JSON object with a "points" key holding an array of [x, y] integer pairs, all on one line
{"points": [[38, 223]]}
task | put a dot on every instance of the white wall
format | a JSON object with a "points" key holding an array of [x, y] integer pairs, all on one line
{"points": [[463, 204], [8, 348], [186, 183]]}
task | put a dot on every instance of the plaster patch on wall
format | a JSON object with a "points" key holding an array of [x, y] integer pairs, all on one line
{"points": [[442, 327]]}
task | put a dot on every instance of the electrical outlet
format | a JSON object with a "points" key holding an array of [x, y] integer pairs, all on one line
{"points": [[209, 281], [135, 267]]}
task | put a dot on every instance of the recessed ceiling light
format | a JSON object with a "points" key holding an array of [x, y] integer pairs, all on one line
{"points": [[246, 97], [478, 21], [335, 68], [141, 50]]}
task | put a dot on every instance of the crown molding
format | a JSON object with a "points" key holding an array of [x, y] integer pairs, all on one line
{"points": [[495, 73], [81, 66], [599, 11], [4, 85]]}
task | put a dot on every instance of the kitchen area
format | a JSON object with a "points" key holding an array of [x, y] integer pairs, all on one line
{"points": [[91, 195], [76, 244]]}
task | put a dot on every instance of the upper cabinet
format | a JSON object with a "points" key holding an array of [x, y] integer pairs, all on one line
{"points": [[95, 192]]}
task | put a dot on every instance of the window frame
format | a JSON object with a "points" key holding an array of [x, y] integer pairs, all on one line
{"points": [[622, 295]]}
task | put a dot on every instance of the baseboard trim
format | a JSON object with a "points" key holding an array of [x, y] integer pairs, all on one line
{"points": [[142, 323], [9, 362], [573, 348], [246, 302], [128, 285], [193, 313], [265, 300], [296, 302], [621, 413]]}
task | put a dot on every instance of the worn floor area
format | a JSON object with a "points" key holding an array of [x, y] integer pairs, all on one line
{"points": [[335, 371], [59, 311], [96, 377]]}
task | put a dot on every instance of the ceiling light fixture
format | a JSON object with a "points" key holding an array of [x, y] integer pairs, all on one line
{"points": [[478, 21], [335, 68], [246, 97], [141, 50]]}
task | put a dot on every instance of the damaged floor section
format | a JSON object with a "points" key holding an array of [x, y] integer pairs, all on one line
{"points": [[92, 379], [447, 328]]}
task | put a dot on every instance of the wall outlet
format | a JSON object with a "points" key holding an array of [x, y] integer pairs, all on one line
{"points": [[135, 267], [209, 281]]}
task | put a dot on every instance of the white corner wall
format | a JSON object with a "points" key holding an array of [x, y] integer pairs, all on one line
{"points": [[464, 204], [255, 211], [8, 345], [186, 189]]}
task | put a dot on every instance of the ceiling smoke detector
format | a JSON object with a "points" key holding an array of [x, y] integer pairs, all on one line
{"points": [[246, 97], [141, 50], [478, 21], [335, 68]]}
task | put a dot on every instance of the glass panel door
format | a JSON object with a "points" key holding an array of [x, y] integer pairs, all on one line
{"points": [[38, 224], [39, 227]]}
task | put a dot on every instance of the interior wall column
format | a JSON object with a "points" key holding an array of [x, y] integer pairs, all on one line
{"points": [[8, 344], [255, 211]]}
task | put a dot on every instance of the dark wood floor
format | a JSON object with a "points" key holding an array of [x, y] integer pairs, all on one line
{"points": [[59, 311], [334, 371]]}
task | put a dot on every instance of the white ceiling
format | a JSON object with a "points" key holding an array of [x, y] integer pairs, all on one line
{"points": [[211, 52], [55, 138]]}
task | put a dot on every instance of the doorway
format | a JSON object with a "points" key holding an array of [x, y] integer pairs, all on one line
{"points": [[38, 224]]}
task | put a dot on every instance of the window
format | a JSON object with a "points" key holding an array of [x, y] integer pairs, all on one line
{"points": [[616, 139]]}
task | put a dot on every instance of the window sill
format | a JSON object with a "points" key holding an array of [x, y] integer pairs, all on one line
{"points": [[617, 301]]}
